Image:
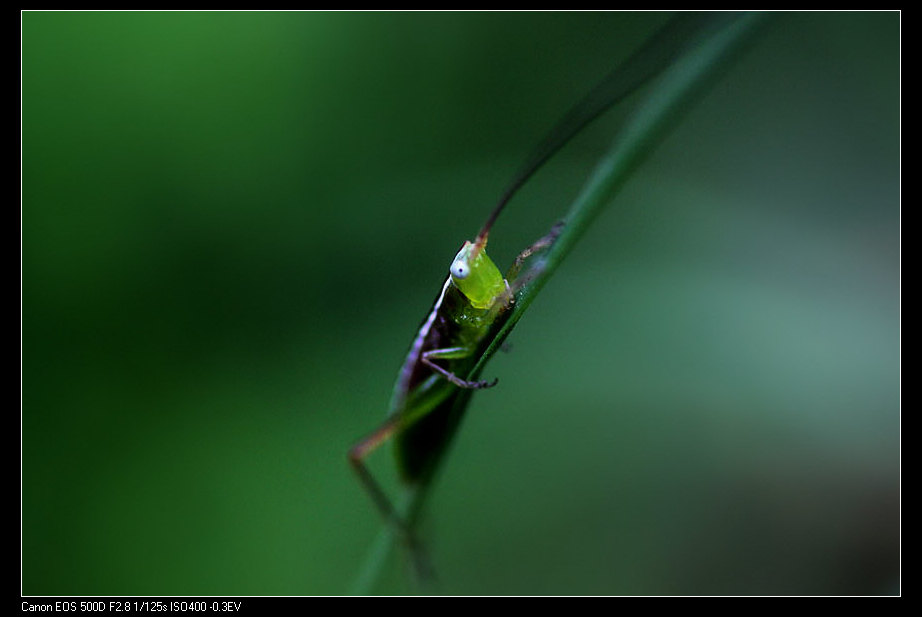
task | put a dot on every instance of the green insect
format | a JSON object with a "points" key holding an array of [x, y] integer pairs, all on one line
{"points": [[437, 378], [433, 386]]}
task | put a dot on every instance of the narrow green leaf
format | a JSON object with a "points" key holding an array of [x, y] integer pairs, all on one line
{"points": [[671, 94]]}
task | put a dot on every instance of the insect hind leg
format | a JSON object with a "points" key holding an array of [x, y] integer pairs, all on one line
{"points": [[422, 566]]}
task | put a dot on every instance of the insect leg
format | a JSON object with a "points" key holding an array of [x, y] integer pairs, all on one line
{"points": [[452, 353], [541, 244], [357, 455]]}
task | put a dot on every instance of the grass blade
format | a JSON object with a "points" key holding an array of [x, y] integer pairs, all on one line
{"points": [[674, 92]]}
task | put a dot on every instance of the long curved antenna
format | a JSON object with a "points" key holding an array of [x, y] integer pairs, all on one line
{"points": [[651, 59]]}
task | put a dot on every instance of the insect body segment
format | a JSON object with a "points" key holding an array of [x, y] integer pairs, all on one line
{"points": [[478, 278], [468, 307]]}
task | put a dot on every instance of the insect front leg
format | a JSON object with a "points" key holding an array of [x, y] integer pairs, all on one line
{"points": [[453, 353], [541, 244]]}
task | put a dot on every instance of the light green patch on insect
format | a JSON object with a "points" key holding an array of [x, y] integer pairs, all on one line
{"points": [[477, 276]]}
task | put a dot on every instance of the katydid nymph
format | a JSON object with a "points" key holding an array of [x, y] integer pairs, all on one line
{"points": [[443, 366]]}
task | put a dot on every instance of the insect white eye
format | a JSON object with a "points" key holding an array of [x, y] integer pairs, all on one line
{"points": [[460, 269]]}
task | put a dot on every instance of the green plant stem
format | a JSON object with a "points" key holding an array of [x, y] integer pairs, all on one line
{"points": [[379, 551], [672, 93]]}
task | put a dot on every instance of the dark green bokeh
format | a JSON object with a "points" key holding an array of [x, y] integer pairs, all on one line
{"points": [[233, 222]]}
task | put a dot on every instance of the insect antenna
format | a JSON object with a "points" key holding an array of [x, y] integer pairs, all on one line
{"points": [[654, 56]]}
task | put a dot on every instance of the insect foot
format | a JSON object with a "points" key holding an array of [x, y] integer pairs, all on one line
{"points": [[480, 385]]}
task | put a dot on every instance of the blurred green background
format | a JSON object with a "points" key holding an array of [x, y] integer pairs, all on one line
{"points": [[232, 224]]}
